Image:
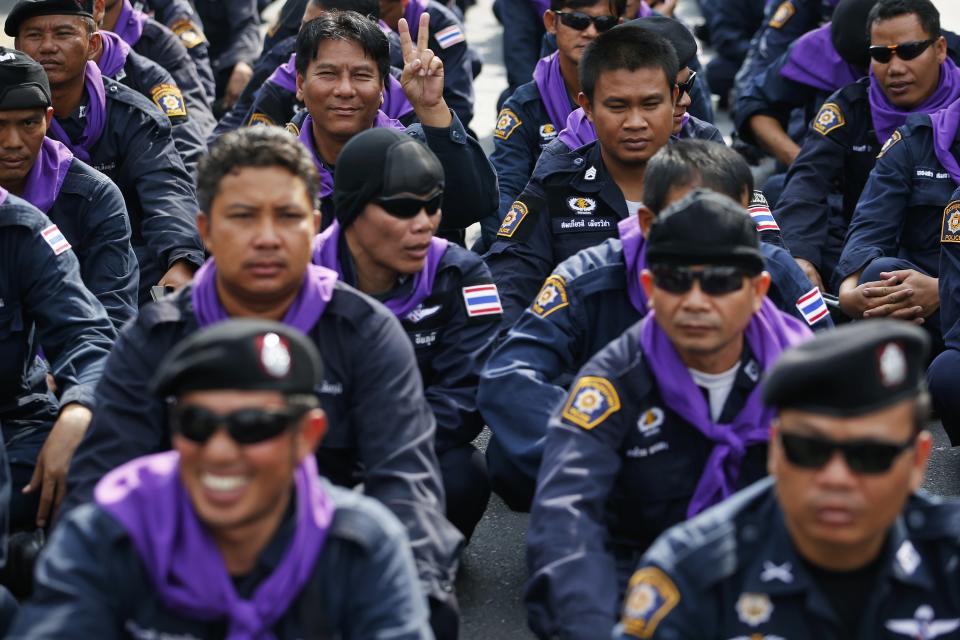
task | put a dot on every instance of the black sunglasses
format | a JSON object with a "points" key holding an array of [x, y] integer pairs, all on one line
{"points": [[714, 281], [246, 426], [408, 207], [862, 456], [906, 51], [687, 87], [579, 20]]}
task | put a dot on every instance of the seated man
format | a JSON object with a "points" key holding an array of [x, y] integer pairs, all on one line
{"points": [[660, 424], [233, 533], [592, 297], [84, 204], [837, 544], [388, 189], [258, 221], [731, 25], [234, 43], [118, 132]]}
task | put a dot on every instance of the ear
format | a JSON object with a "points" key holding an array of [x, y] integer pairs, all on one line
{"points": [[761, 284], [550, 21], [676, 94], [203, 228], [646, 281], [99, 9], [584, 103], [940, 46], [48, 116], [921, 456], [300, 87], [646, 217], [96, 46], [313, 427]]}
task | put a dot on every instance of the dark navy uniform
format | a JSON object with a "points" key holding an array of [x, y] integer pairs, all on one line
{"points": [[732, 24], [613, 478], [287, 24], [381, 430], [735, 572], [233, 30], [91, 582], [181, 18], [523, 33], [942, 374]]}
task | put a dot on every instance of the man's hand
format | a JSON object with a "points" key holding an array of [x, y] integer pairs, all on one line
{"points": [[179, 274], [883, 298], [50, 474], [239, 78], [811, 272], [926, 290], [422, 77]]}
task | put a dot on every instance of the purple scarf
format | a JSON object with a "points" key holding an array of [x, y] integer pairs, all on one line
{"points": [[47, 174], [886, 117], [303, 314], [114, 56], [326, 178], [325, 249], [553, 91], [635, 256], [768, 334], [145, 496], [644, 10], [413, 11], [578, 130], [285, 76], [130, 24], [813, 61], [945, 123], [96, 116]]}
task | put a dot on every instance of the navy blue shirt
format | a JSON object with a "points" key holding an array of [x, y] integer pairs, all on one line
{"points": [[232, 27], [193, 74], [949, 272]]}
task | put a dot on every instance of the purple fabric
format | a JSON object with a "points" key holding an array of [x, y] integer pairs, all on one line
{"points": [[303, 314], [541, 7], [130, 24], [635, 256], [306, 137], [114, 56], [886, 117], [145, 496], [325, 254], [578, 130], [945, 123], [3, 195], [644, 10], [679, 135], [813, 61], [96, 116], [47, 174], [768, 334], [285, 76], [552, 89], [415, 8]]}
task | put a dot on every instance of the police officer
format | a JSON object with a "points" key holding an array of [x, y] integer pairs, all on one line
{"points": [[118, 132], [592, 297], [731, 25], [388, 190], [84, 204], [264, 545], [258, 221], [660, 424], [233, 32], [837, 544]]}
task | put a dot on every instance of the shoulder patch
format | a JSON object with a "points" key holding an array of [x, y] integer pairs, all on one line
{"points": [[892, 140], [950, 232], [591, 401], [762, 216], [169, 99], [189, 33], [55, 238], [293, 128], [812, 306], [482, 300], [829, 119], [515, 215], [507, 123], [450, 36], [651, 595], [782, 15], [552, 296], [262, 119]]}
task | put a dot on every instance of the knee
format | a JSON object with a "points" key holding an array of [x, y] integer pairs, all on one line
{"points": [[513, 486], [941, 380], [466, 485]]}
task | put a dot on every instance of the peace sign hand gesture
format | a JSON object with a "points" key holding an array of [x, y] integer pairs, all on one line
{"points": [[422, 78]]}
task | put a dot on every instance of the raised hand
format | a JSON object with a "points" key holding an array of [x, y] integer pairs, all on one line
{"points": [[422, 78]]}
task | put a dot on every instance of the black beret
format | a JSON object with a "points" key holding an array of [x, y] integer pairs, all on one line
{"points": [[26, 9], [705, 227], [23, 82], [674, 32], [379, 163], [849, 32], [856, 369], [252, 355]]}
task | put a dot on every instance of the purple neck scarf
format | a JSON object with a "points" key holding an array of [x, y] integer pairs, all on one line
{"points": [[644, 10], [114, 56], [886, 117], [325, 250], [184, 564], [578, 130], [326, 178], [42, 187], [813, 61], [285, 76], [303, 314], [768, 334], [130, 24], [635, 256], [552, 89], [96, 116], [412, 12], [945, 123], [680, 135]]}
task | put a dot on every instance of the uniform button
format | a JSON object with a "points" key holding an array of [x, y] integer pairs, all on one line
{"points": [[446, 586], [915, 519], [457, 137], [578, 161], [113, 89]]}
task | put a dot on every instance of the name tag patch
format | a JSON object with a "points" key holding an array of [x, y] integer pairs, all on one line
{"points": [[576, 225]]}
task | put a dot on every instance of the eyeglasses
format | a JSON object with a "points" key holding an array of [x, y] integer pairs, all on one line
{"points": [[407, 207], [246, 426], [906, 51], [714, 281], [862, 456], [579, 20], [687, 87]]}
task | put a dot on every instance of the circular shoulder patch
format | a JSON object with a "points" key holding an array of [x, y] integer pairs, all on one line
{"points": [[829, 119], [507, 123], [591, 401], [651, 595]]}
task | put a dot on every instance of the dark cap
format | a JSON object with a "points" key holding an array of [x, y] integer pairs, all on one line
{"points": [[379, 163], [251, 355], [849, 31], [855, 369], [26, 9], [23, 82], [705, 228], [674, 32]]}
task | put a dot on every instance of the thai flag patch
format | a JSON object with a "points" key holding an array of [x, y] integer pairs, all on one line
{"points": [[55, 238], [763, 218], [450, 36], [482, 300], [812, 306]]}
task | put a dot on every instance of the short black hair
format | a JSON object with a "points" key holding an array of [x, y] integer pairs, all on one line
{"points": [[718, 168], [617, 7], [369, 8], [343, 25], [926, 13], [257, 147], [626, 46]]}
